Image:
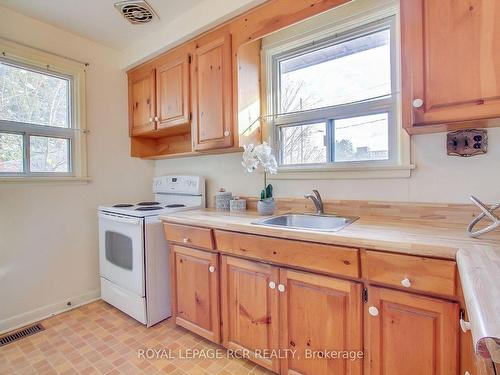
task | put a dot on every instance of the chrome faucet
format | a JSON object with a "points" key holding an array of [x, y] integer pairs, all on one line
{"points": [[318, 202]]}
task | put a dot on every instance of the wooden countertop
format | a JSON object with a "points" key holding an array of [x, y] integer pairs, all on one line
{"points": [[478, 259], [379, 233], [479, 268]]}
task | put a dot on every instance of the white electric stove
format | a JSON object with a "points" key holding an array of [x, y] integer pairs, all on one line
{"points": [[133, 253]]}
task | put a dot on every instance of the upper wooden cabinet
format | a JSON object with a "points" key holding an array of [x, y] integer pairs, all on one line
{"points": [[142, 101], [172, 83], [450, 63], [212, 94], [410, 334]]}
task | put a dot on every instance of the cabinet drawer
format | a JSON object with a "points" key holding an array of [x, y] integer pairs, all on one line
{"points": [[189, 236], [412, 272], [312, 256]]}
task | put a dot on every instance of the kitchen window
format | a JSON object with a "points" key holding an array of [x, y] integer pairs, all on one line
{"points": [[333, 97], [42, 128]]}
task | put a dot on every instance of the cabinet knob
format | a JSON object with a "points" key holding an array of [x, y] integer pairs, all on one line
{"points": [[150, 119], [186, 240], [211, 269], [281, 288], [373, 311], [157, 119], [418, 103], [466, 373], [406, 282], [227, 133], [464, 325], [272, 285]]}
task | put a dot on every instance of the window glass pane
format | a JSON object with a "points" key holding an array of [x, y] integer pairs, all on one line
{"points": [[303, 144], [362, 138], [347, 72], [49, 154], [32, 97], [11, 153]]}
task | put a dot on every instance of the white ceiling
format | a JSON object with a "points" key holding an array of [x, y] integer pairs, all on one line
{"points": [[98, 20]]}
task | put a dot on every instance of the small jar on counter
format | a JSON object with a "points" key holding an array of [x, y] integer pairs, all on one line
{"points": [[238, 205], [223, 199]]}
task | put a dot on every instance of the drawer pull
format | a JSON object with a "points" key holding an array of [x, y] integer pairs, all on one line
{"points": [[211, 269], [373, 311], [418, 103], [281, 288], [406, 282], [464, 325], [186, 240], [272, 285]]}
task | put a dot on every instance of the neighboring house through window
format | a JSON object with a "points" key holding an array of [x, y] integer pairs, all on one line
{"points": [[333, 91]]}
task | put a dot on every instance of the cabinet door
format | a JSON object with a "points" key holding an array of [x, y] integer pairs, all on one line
{"points": [[173, 92], [250, 308], [450, 60], [195, 291], [410, 334], [211, 126], [319, 313], [142, 103]]}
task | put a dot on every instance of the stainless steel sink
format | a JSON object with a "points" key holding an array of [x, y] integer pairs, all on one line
{"points": [[322, 223]]}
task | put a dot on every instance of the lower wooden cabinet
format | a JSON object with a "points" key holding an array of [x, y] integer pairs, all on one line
{"points": [[249, 300], [297, 314], [318, 314], [410, 334], [300, 322], [195, 291]]}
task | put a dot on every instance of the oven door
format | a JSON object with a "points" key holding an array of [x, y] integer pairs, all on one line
{"points": [[121, 251]]}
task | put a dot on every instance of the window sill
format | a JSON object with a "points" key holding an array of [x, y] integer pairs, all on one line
{"points": [[40, 180], [339, 173]]}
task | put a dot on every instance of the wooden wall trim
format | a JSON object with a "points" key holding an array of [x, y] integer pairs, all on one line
{"points": [[260, 21]]}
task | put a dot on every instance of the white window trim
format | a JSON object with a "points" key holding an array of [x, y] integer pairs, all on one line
{"points": [[344, 19], [75, 72]]}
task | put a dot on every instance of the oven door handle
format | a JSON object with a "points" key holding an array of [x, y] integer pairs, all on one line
{"points": [[120, 219]]}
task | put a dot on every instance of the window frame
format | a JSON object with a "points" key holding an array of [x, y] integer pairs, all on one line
{"points": [[385, 104], [333, 27], [41, 62]]}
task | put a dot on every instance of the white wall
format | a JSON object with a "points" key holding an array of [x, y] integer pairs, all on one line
{"points": [[48, 233], [437, 178]]}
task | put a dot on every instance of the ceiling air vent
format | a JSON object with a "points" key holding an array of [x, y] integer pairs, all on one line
{"points": [[136, 11]]}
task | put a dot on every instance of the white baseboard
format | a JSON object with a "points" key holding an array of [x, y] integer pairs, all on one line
{"points": [[44, 312]]}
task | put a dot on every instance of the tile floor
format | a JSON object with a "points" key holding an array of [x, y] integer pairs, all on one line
{"points": [[99, 339]]}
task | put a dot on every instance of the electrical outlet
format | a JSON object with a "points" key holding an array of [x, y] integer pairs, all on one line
{"points": [[466, 143]]}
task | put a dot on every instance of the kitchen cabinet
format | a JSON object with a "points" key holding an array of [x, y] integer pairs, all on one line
{"points": [[450, 63], [195, 291], [142, 101], [410, 334], [249, 300], [398, 313], [173, 92], [319, 313], [315, 313], [212, 94]]}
